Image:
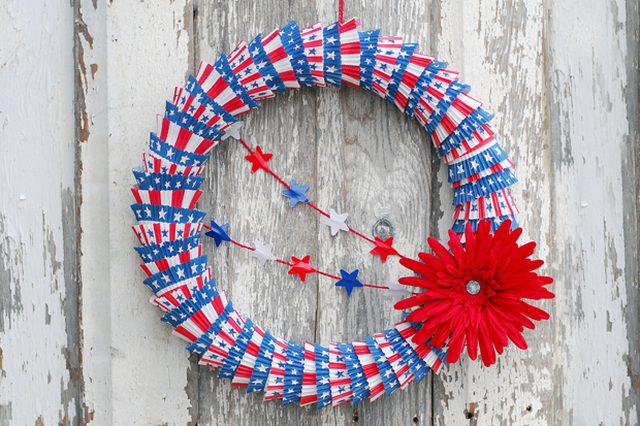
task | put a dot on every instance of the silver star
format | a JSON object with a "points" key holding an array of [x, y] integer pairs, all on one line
{"points": [[396, 291], [262, 252], [233, 131], [336, 222]]}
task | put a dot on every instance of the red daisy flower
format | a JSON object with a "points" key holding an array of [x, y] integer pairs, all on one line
{"points": [[473, 293]]}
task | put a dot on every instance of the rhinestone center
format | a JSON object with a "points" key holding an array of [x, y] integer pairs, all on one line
{"points": [[473, 287]]}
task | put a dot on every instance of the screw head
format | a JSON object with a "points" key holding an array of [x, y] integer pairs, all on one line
{"points": [[473, 287]]}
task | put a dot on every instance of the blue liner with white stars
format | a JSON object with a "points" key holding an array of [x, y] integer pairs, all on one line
{"points": [[225, 71], [265, 67], [163, 279], [166, 214], [421, 86], [155, 252], [323, 386], [359, 385], [417, 366], [368, 48], [401, 65], [237, 351], [292, 43], [332, 58], [175, 155], [261, 368], [196, 90], [293, 369], [165, 181], [195, 303], [389, 379], [203, 342]]}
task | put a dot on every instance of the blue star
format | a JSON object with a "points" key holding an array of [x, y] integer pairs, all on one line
{"points": [[218, 233], [297, 193], [349, 280]]}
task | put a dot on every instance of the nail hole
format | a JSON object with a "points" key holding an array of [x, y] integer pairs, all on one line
{"points": [[355, 417], [416, 419], [468, 414], [383, 228], [528, 408]]}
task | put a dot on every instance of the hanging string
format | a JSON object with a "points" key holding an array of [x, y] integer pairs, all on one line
{"points": [[340, 11]]}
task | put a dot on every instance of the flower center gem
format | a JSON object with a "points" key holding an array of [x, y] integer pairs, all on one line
{"points": [[473, 287]]}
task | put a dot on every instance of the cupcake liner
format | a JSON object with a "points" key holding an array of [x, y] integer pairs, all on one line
{"points": [[275, 378], [323, 380], [166, 214], [405, 55], [475, 121], [176, 274], [484, 186], [158, 233], [176, 198], [339, 379], [189, 122], [184, 138], [228, 368], [293, 373], [368, 47], [350, 51], [452, 109], [416, 96], [258, 380], [294, 47], [415, 67], [225, 334], [194, 100], [182, 312], [483, 159], [389, 48], [203, 342], [314, 52], [478, 139], [435, 94], [370, 369], [277, 54], [331, 52], [235, 100], [200, 320], [247, 73], [430, 355], [153, 267], [359, 385], [173, 296], [404, 376], [387, 375], [245, 367], [503, 165], [156, 164], [265, 67], [165, 181], [309, 391], [496, 204], [459, 225], [155, 252], [417, 366]]}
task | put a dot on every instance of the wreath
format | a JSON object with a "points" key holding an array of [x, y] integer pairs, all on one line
{"points": [[466, 296]]}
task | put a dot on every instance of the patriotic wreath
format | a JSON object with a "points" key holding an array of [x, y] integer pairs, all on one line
{"points": [[468, 296]]}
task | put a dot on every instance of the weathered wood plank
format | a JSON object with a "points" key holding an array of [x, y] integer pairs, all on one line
{"points": [[40, 370], [148, 54]]}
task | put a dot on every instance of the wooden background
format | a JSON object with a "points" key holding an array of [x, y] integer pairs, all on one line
{"points": [[81, 83]]}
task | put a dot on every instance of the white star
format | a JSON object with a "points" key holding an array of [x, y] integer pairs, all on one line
{"points": [[233, 131], [336, 222], [262, 252], [396, 290]]}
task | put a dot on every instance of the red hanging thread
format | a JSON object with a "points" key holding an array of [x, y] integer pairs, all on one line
{"points": [[341, 11]]}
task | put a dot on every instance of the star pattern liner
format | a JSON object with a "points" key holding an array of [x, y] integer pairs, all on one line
{"points": [[205, 111]]}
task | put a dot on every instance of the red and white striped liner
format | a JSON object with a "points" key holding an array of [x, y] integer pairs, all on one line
{"points": [[172, 296], [151, 268], [275, 379], [198, 323], [272, 44], [182, 198], [403, 373], [149, 233], [386, 57], [461, 107], [338, 378], [314, 51], [183, 139], [247, 73], [218, 350], [350, 51], [245, 367], [416, 66], [499, 203], [217, 88], [407, 331], [191, 104], [309, 392], [370, 368], [156, 164]]}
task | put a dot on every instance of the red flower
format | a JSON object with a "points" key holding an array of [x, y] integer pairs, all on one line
{"points": [[473, 294]]}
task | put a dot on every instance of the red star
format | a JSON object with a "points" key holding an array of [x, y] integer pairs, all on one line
{"points": [[383, 249], [258, 159], [301, 267]]}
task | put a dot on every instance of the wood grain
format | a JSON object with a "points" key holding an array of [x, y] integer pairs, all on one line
{"points": [[76, 332]]}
